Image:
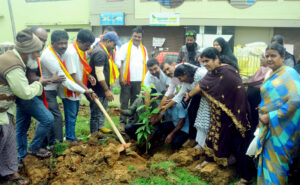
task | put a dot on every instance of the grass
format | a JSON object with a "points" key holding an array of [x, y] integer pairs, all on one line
{"points": [[59, 149], [174, 175]]}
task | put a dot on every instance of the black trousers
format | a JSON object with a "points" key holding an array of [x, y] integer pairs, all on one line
{"points": [[165, 128], [128, 95]]}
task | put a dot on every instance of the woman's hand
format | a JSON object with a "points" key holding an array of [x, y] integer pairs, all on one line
{"points": [[264, 118]]}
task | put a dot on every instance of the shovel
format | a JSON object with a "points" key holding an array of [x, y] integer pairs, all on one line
{"points": [[124, 145]]}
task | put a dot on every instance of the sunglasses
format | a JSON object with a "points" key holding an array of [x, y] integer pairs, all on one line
{"points": [[189, 34]]}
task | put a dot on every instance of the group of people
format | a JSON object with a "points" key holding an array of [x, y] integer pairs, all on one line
{"points": [[202, 98], [205, 99]]}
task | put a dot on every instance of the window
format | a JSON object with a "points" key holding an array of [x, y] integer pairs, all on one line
{"points": [[210, 30]]}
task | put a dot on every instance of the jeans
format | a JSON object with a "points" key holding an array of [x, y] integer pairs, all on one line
{"points": [[71, 109], [25, 110], [128, 94], [97, 119]]}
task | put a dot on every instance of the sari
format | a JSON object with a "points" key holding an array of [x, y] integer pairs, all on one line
{"points": [[278, 140], [229, 113]]}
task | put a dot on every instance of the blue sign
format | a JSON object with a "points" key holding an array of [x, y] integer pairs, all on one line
{"points": [[112, 18]]}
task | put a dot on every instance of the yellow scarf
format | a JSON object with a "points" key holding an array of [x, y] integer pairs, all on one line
{"points": [[113, 70], [63, 67], [127, 67], [86, 67]]}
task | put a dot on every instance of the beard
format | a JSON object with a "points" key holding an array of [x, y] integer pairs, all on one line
{"points": [[190, 47], [31, 62]]}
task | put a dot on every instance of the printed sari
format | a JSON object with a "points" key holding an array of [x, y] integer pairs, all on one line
{"points": [[278, 140]]}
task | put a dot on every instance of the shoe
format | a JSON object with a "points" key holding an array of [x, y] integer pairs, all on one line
{"points": [[121, 127], [105, 130], [41, 153], [17, 178]]}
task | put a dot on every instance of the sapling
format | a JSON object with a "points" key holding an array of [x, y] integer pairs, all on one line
{"points": [[146, 128]]}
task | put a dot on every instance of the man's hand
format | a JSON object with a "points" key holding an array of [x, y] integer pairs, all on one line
{"points": [[109, 95], [92, 80], [186, 96], [94, 96], [44, 81], [169, 139], [122, 81], [163, 108], [57, 79], [118, 110], [264, 118]]}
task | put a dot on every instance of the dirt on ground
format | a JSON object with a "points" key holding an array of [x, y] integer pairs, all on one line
{"points": [[98, 161]]}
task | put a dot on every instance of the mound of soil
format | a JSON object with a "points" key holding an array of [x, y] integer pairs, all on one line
{"points": [[99, 162]]}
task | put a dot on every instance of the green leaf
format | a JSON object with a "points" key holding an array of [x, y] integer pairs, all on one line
{"points": [[142, 128], [148, 145], [154, 100], [148, 130], [140, 96], [156, 94], [144, 88], [145, 135], [140, 107], [156, 110], [139, 136]]}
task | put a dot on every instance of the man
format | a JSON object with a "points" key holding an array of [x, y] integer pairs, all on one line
{"points": [[175, 131], [103, 69], [100, 38], [53, 62], [133, 110], [168, 67], [133, 56], [190, 51], [156, 77], [34, 107], [15, 84], [79, 69], [289, 58]]}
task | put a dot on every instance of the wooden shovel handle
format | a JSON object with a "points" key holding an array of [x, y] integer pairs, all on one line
{"points": [[112, 124]]}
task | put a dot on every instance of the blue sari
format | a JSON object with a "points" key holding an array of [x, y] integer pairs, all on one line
{"points": [[279, 138]]}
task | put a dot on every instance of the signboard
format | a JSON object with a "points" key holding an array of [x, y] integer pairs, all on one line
{"points": [[112, 18], [164, 19], [158, 42]]}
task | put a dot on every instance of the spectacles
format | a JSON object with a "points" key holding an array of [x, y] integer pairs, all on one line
{"points": [[189, 34]]}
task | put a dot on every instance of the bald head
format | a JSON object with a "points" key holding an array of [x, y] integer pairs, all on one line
{"points": [[41, 33]]}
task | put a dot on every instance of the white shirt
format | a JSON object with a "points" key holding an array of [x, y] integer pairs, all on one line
{"points": [[160, 83], [50, 65], [174, 83], [73, 66], [136, 61], [199, 74]]}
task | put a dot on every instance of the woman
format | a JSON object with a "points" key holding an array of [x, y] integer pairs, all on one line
{"points": [[229, 113], [223, 47], [189, 76], [279, 116], [253, 90]]}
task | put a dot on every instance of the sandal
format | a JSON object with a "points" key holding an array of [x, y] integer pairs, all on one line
{"points": [[201, 166], [42, 153], [243, 182], [18, 180]]}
